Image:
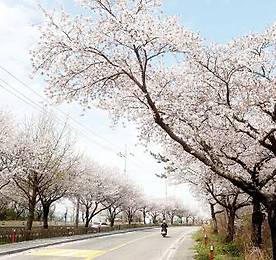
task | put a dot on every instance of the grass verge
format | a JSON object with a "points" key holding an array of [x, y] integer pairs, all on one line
{"points": [[222, 250]]}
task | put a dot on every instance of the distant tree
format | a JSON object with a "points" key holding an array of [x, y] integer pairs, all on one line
{"points": [[145, 208], [93, 189], [154, 210], [132, 204], [120, 189], [174, 207]]}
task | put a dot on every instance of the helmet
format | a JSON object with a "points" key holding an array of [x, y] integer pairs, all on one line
{"points": [[164, 221]]}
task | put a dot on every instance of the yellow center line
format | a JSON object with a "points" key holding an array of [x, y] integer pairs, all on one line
{"points": [[124, 244], [79, 253]]}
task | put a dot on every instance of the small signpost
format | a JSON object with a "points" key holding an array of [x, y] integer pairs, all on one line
{"points": [[205, 240], [212, 252]]}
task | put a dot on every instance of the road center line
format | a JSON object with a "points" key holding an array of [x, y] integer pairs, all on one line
{"points": [[129, 242], [125, 244]]}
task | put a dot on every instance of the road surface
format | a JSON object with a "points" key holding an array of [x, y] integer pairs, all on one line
{"points": [[142, 245]]}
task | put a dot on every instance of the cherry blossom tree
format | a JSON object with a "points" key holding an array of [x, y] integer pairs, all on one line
{"points": [[62, 178], [93, 190], [61, 167], [214, 212], [154, 211], [42, 155], [180, 214], [231, 199], [120, 189], [216, 104], [132, 204], [145, 208], [29, 158], [174, 207], [217, 191]]}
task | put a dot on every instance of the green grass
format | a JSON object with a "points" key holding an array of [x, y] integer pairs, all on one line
{"points": [[223, 251]]}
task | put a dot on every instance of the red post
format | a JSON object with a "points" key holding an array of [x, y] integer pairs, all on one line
{"points": [[13, 236], [212, 252], [205, 239]]}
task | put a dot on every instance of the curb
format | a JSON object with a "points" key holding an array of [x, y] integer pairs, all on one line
{"points": [[19, 250]]}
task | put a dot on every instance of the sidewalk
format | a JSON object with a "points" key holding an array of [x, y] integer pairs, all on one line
{"points": [[8, 249]]}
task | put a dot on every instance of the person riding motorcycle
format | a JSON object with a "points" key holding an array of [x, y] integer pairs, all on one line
{"points": [[164, 226]]}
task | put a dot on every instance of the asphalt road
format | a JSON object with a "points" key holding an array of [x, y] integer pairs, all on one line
{"points": [[142, 245]]}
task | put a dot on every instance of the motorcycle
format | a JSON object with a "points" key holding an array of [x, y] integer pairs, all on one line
{"points": [[163, 232]]}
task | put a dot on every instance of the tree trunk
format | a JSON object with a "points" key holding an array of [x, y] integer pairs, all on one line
{"points": [[82, 217], [112, 220], [144, 217], [39, 214], [172, 220], [112, 215], [129, 215], [32, 204], [272, 225], [129, 219], [187, 220], [86, 223], [87, 220], [231, 225], [214, 219], [46, 210], [77, 212], [31, 214], [257, 221]]}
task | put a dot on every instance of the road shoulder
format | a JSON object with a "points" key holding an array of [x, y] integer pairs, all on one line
{"points": [[183, 248]]}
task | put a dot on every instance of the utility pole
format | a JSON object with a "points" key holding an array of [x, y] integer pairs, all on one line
{"points": [[165, 177], [125, 155]]}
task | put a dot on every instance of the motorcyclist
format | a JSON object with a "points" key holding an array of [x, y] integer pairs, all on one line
{"points": [[164, 226]]}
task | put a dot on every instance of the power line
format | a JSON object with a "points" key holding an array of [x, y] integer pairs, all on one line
{"points": [[9, 91], [68, 116], [44, 99], [33, 104], [25, 99], [59, 110], [29, 102]]}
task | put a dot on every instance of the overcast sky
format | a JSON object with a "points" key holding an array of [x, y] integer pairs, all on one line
{"points": [[216, 20]]}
